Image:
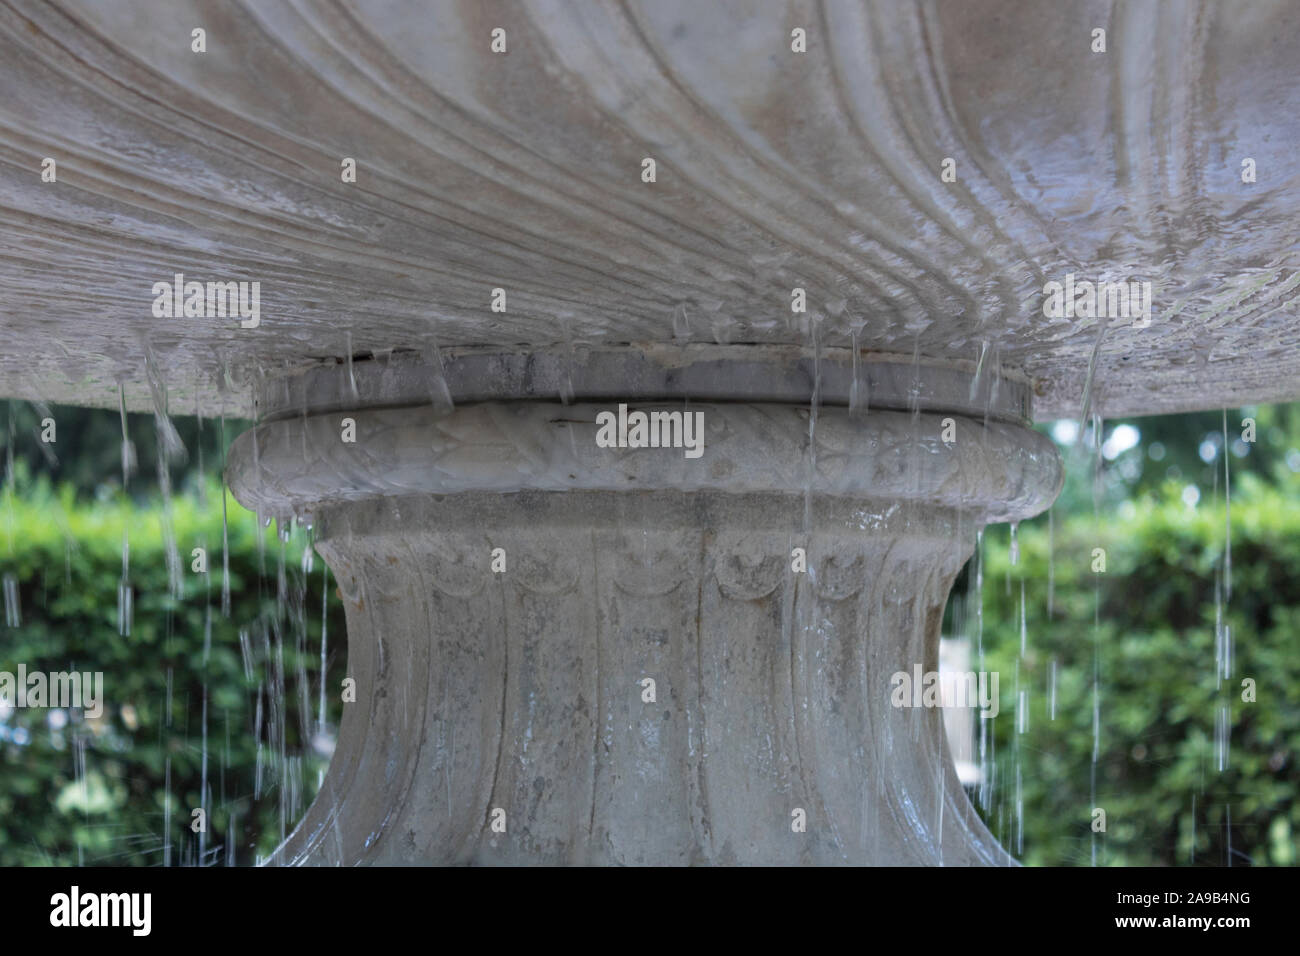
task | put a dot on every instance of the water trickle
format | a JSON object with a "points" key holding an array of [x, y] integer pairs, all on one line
{"points": [[1088, 380], [1020, 814], [203, 784], [1098, 428], [169, 446], [857, 390], [225, 536], [128, 450], [567, 390], [723, 330], [352, 378], [169, 440], [324, 641], [261, 749], [125, 598], [1227, 514], [1222, 630], [991, 398], [202, 490], [1096, 747], [681, 322], [1227, 832], [1222, 737], [79, 774], [13, 610], [941, 798], [1051, 562], [167, 813], [124, 595], [1015, 549], [1219, 655], [979, 595], [979, 369], [914, 392], [976, 598], [280, 739], [9, 479], [1051, 688], [1024, 629], [812, 429], [246, 653], [439, 390]]}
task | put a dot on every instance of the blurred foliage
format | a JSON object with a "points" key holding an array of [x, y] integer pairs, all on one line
{"points": [[1147, 628], [120, 790], [86, 453], [1184, 449]]}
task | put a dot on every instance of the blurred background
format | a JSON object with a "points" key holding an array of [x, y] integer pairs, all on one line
{"points": [[212, 678], [1121, 690]]}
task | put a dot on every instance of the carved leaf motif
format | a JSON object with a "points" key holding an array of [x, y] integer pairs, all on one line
{"points": [[751, 567]]}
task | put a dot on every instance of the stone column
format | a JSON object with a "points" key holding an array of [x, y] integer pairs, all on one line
{"points": [[520, 698]]}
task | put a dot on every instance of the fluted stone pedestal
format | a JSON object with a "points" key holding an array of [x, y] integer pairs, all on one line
{"points": [[569, 654]]}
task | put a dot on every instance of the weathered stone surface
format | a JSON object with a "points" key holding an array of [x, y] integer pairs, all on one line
{"points": [[774, 170], [518, 688], [373, 432], [523, 691]]}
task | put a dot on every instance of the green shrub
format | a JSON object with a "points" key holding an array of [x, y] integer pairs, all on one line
{"points": [[1157, 775], [120, 790]]}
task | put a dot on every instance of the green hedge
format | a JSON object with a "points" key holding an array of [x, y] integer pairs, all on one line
{"points": [[1156, 776], [120, 790]]}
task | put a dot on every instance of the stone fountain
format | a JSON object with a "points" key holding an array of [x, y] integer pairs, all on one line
{"points": [[861, 247]]}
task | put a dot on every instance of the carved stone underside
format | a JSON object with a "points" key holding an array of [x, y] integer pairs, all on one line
{"points": [[522, 691]]}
